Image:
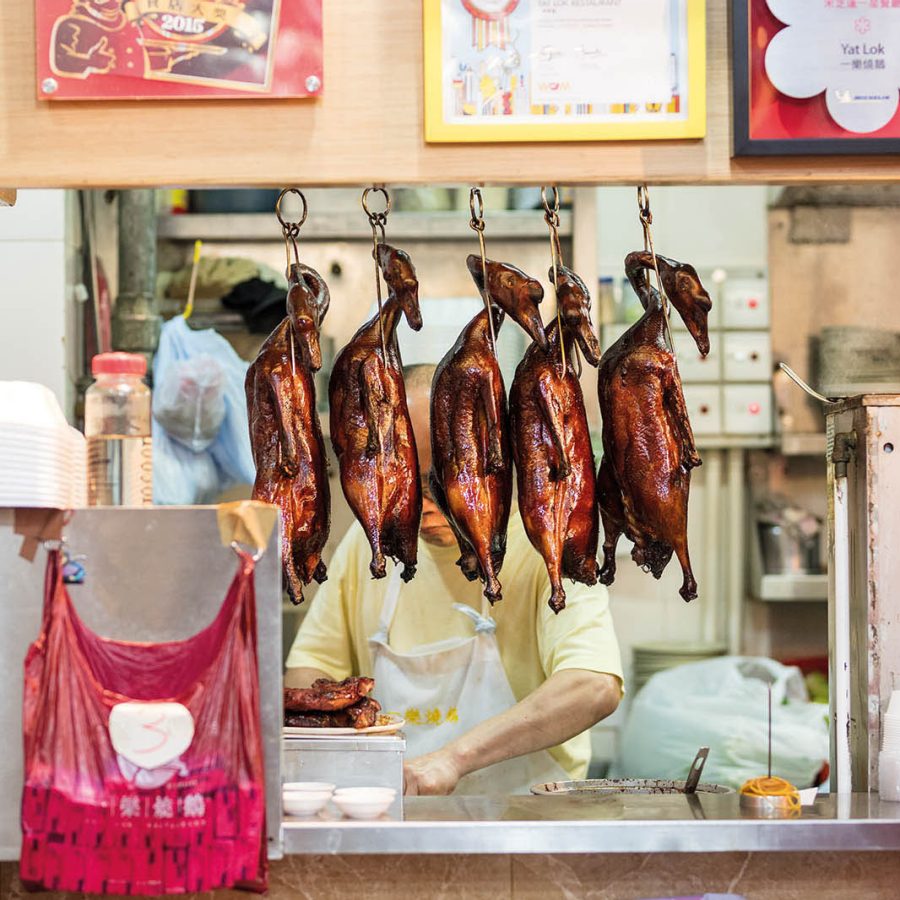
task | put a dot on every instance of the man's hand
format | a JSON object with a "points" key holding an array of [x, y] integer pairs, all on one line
{"points": [[435, 774]]}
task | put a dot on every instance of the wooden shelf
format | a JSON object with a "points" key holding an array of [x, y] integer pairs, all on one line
{"points": [[366, 126], [405, 226]]}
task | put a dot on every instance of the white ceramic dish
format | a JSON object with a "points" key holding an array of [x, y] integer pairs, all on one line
{"points": [[394, 724], [364, 803], [304, 803], [314, 786]]}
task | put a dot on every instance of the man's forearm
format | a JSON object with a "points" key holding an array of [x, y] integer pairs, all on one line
{"points": [[567, 703], [303, 677]]}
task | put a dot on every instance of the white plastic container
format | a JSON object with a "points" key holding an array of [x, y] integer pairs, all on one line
{"points": [[117, 428]]}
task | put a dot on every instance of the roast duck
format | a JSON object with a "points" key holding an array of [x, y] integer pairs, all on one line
{"points": [[285, 434], [332, 704], [471, 477], [648, 445], [552, 444], [370, 426]]}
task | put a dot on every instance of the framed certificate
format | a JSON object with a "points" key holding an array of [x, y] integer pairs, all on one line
{"points": [[564, 70], [816, 76], [162, 49]]}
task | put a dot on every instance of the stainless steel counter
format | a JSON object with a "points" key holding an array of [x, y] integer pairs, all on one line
{"points": [[637, 823]]}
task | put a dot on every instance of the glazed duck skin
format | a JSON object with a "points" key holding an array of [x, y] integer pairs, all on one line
{"points": [[551, 444], [648, 445], [370, 426], [471, 477], [285, 434], [326, 696]]}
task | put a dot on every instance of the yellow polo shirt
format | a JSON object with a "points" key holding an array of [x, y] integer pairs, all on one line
{"points": [[533, 641]]}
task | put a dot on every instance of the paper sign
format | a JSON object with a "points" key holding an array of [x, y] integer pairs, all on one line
{"points": [[150, 735], [601, 52]]}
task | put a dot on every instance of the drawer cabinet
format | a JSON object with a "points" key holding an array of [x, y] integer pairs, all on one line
{"points": [[748, 408], [704, 405], [747, 356]]}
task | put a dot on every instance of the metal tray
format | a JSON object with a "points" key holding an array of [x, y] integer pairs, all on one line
{"points": [[623, 786]]}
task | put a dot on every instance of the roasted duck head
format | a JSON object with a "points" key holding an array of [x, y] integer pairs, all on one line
{"points": [[648, 445], [371, 430], [551, 444], [400, 277], [471, 470], [308, 299], [575, 310], [681, 285], [516, 293], [285, 434]]}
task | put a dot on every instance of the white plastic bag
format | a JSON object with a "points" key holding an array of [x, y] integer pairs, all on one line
{"points": [[189, 401], [722, 704], [198, 366]]}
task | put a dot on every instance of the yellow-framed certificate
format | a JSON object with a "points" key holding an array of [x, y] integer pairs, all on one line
{"points": [[564, 70]]}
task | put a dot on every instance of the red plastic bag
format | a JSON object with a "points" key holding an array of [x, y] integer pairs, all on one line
{"points": [[143, 762]]}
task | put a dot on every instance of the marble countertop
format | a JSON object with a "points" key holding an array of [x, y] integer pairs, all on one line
{"points": [[632, 823]]}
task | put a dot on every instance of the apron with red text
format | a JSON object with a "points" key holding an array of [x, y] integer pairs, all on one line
{"points": [[143, 762]]}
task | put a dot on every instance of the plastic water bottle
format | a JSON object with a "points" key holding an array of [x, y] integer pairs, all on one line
{"points": [[117, 428]]}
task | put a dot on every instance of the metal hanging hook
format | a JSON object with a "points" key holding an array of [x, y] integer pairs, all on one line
{"points": [[291, 230], [646, 218], [476, 223], [377, 221], [551, 217]]}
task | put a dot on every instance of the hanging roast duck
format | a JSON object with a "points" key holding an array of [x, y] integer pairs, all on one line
{"points": [[471, 477], [648, 445], [370, 426], [285, 434], [552, 444]]}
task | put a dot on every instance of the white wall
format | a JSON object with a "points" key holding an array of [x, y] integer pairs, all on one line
{"points": [[708, 227], [33, 292]]}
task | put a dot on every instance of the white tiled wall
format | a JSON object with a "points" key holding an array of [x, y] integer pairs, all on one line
{"points": [[33, 291]]}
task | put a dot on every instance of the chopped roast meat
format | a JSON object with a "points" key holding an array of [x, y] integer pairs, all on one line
{"points": [[471, 477], [326, 695], [551, 444], [648, 445], [285, 434], [370, 427], [363, 714]]}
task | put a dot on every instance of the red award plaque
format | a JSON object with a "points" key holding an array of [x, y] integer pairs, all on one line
{"points": [[161, 49]]}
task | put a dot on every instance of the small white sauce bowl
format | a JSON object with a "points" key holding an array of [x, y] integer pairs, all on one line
{"points": [[314, 786], [304, 803], [364, 802]]}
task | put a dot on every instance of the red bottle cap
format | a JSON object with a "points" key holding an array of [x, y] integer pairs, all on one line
{"points": [[118, 364]]}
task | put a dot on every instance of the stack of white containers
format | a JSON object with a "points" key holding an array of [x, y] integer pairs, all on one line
{"points": [[889, 758], [42, 458]]}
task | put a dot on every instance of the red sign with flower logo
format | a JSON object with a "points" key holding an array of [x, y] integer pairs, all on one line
{"points": [[146, 49]]}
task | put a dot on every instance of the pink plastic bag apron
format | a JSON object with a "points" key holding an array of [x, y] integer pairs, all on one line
{"points": [[143, 762]]}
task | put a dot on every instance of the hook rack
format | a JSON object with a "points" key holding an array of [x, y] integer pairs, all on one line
{"points": [[476, 223]]}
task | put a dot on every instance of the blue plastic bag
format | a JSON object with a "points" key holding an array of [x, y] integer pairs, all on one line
{"points": [[183, 473]]}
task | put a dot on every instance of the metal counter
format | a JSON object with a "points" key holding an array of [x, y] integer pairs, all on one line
{"points": [[637, 823]]}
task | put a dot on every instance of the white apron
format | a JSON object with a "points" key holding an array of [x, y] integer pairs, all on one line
{"points": [[445, 689]]}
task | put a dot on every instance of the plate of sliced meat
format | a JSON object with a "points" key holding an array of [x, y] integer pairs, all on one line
{"points": [[336, 708], [385, 724]]}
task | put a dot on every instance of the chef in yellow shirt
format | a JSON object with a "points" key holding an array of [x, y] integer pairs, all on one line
{"points": [[495, 699]]}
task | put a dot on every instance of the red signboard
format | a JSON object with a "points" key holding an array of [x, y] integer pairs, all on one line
{"points": [[816, 76], [163, 49]]}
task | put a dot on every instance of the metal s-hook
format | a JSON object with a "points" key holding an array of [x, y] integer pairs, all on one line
{"points": [[476, 223], [551, 217], [646, 218], [291, 230], [377, 221]]}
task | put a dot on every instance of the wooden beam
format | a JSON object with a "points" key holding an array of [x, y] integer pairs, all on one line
{"points": [[366, 127]]}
